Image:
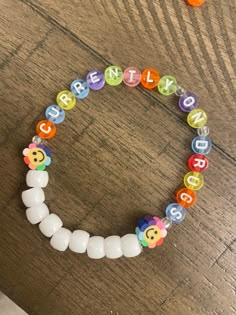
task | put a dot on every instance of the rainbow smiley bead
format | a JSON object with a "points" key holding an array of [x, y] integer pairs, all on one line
{"points": [[150, 231], [37, 156]]}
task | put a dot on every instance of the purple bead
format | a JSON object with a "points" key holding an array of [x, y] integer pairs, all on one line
{"points": [[95, 80], [188, 102]]}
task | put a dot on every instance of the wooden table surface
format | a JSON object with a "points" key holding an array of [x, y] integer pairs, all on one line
{"points": [[120, 153]]}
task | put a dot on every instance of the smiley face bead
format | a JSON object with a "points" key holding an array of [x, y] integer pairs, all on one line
{"points": [[151, 231], [37, 156]]}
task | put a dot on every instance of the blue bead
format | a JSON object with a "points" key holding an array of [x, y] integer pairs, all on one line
{"points": [[201, 145], [79, 88], [55, 114], [175, 212]]}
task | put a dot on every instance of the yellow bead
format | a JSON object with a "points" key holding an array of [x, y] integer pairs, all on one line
{"points": [[197, 118], [193, 180], [66, 99]]}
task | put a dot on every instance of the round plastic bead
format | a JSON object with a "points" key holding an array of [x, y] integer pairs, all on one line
{"points": [[193, 180], [113, 75], [33, 197], [167, 85], [113, 248], [50, 225], [46, 129], [167, 222], [95, 248], [66, 99], [79, 88], [198, 163], [60, 240], [150, 78], [195, 3], [197, 118], [37, 140], [175, 213], [188, 102], [180, 91], [131, 76], [95, 80], [55, 114], [79, 241], [37, 178], [201, 145], [186, 197], [203, 131], [131, 246], [36, 214]]}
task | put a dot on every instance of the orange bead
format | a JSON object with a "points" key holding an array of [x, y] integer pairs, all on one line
{"points": [[150, 78], [195, 3], [46, 129], [186, 197]]}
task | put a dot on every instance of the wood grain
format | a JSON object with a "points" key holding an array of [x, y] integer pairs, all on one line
{"points": [[119, 154]]}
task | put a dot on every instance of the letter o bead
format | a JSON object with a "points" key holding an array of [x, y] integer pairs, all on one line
{"points": [[175, 213], [188, 102], [193, 180], [201, 145], [66, 99], [198, 163], [46, 129], [186, 197]]}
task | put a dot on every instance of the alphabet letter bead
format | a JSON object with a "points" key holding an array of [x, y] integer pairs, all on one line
{"points": [[198, 163], [113, 75], [201, 145], [188, 101], [150, 78], [186, 197], [175, 212], [193, 180], [167, 85], [55, 114], [46, 129], [95, 80], [66, 99], [131, 76], [197, 118], [80, 88]]}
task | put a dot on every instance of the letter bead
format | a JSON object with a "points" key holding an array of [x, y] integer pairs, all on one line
{"points": [[188, 102], [186, 197], [150, 78], [95, 80], [195, 3], [198, 163], [197, 118], [46, 129], [193, 180], [201, 145], [175, 212], [79, 88], [55, 114], [113, 75], [66, 99], [167, 85], [131, 76]]}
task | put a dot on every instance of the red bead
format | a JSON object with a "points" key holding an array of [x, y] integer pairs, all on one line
{"points": [[198, 163]]}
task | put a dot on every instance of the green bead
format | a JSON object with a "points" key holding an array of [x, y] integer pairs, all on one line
{"points": [[167, 85], [113, 75]]}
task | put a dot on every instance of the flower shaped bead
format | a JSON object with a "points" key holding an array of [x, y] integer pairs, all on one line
{"points": [[150, 231], [37, 156]]}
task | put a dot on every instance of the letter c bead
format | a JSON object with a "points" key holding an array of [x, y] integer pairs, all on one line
{"points": [[193, 180], [46, 129]]}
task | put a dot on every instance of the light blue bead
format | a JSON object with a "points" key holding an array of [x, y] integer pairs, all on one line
{"points": [[201, 145], [55, 114], [175, 212], [79, 88]]}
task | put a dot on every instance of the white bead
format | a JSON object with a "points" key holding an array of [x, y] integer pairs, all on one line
{"points": [[79, 241], [131, 246], [113, 247], [50, 225], [33, 197], [95, 248], [36, 214], [60, 240], [37, 178]]}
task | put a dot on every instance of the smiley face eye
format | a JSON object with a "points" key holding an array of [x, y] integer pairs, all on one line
{"points": [[155, 232], [35, 160], [152, 237], [34, 153]]}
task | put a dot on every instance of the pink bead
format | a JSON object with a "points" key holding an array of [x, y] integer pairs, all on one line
{"points": [[131, 76]]}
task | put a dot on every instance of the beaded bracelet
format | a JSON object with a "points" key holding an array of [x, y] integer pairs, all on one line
{"points": [[150, 230]]}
